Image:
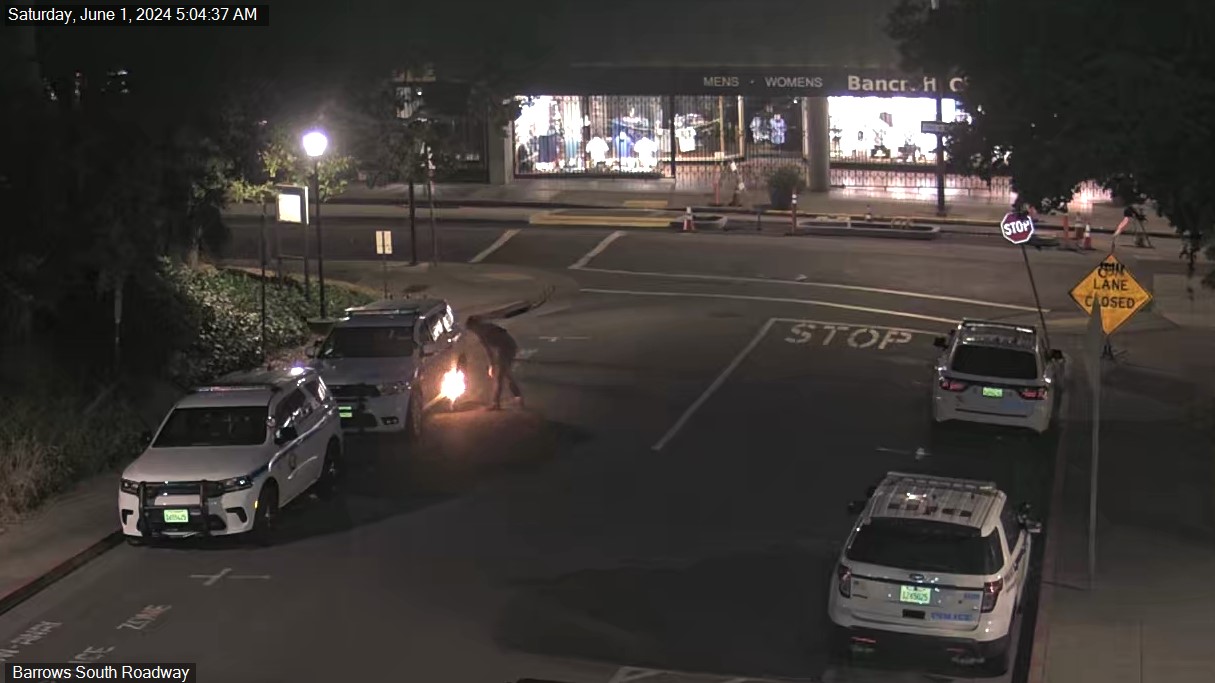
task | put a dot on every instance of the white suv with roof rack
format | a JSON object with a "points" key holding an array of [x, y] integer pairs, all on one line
{"points": [[229, 456], [996, 373], [933, 563], [385, 362]]}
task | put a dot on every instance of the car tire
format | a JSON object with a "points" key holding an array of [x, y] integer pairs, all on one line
{"points": [[415, 420], [265, 517], [331, 470], [136, 541]]}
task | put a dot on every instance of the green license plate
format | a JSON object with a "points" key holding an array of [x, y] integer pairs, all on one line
{"points": [[916, 595], [177, 516], [346, 412], [993, 392]]}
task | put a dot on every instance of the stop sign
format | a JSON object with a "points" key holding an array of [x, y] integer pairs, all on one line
{"points": [[1017, 227]]}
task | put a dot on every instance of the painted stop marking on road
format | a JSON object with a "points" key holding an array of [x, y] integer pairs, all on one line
{"points": [[1017, 227]]}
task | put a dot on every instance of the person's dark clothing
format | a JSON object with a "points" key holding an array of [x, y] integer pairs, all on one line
{"points": [[501, 349]]}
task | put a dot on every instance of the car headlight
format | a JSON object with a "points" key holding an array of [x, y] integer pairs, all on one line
{"points": [[128, 486], [219, 488], [392, 388]]}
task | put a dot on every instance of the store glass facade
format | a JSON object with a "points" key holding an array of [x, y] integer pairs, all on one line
{"points": [[617, 134], [581, 134], [885, 129]]}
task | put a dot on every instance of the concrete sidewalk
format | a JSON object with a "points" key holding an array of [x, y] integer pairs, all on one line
{"points": [[68, 530], [658, 194], [1148, 615]]}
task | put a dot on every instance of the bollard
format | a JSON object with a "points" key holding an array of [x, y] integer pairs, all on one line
{"points": [[793, 215]]}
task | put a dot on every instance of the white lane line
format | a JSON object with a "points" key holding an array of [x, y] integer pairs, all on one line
{"points": [[597, 250], [502, 239], [780, 300], [839, 324], [721, 379], [823, 285]]}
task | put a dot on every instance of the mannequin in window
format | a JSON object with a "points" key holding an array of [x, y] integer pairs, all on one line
{"points": [[524, 159], [779, 127], [597, 148], [645, 148], [759, 129]]}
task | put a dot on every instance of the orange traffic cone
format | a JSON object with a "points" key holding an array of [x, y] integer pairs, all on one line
{"points": [[1088, 238], [688, 224]]}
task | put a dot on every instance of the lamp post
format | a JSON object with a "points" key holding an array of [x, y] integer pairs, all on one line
{"points": [[315, 142]]}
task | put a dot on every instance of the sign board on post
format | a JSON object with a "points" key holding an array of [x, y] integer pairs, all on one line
{"points": [[383, 242], [938, 127], [1118, 292], [1017, 228], [292, 204]]}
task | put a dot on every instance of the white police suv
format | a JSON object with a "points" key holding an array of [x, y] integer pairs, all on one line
{"points": [[996, 373], [229, 456], [385, 362], [933, 565]]}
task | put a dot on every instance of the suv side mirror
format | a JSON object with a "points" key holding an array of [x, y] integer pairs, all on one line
{"points": [[1056, 354], [145, 439], [286, 435], [313, 349], [855, 507], [940, 342]]}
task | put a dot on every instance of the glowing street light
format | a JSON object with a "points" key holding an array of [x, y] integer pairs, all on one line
{"points": [[315, 143]]}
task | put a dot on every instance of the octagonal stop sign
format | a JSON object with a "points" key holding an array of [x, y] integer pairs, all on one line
{"points": [[1017, 227]]}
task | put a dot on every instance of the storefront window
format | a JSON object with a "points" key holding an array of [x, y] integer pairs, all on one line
{"points": [[707, 128], [774, 126], [590, 134], [881, 129]]}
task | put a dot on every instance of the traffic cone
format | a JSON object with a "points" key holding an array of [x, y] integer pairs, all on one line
{"points": [[1088, 238], [688, 224]]}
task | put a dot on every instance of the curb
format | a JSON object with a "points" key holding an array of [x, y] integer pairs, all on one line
{"points": [[1046, 587], [59, 571]]}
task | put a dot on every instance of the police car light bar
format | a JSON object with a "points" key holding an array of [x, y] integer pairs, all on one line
{"points": [[237, 387]]}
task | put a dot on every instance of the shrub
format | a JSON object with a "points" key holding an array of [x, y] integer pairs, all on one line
{"points": [[783, 183], [51, 438]]}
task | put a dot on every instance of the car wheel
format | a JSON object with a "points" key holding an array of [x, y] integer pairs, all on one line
{"points": [[265, 517], [416, 418], [331, 470], [136, 540]]}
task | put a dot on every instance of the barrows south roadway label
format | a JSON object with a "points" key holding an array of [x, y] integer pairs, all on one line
{"points": [[1120, 293]]}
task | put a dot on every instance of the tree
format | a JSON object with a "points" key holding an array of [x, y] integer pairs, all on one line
{"points": [[1065, 92]]}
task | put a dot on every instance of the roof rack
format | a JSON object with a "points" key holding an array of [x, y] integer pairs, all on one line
{"points": [[974, 322], [952, 483], [236, 386]]}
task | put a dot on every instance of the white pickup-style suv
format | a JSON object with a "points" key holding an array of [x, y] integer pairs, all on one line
{"points": [[933, 565], [996, 373], [385, 362], [229, 456]]}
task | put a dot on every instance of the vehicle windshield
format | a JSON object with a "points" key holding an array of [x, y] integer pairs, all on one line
{"points": [[917, 545], [994, 361], [368, 342], [214, 426]]}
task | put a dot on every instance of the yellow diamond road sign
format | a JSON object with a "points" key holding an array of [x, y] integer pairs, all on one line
{"points": [[1120, 293]]}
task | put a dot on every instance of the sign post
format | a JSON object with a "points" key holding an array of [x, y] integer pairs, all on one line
{"points": [[293, 208], [1018, 229], [1112, 296], [383, 247]]}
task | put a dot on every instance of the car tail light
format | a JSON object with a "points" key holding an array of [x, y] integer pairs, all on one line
{"points": [[991, 593], [1033, 393], [843, 576], [952, 384]]}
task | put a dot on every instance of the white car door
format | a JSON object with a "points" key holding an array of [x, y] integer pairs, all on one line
{"points": [[1016, 542], [292, 455]]}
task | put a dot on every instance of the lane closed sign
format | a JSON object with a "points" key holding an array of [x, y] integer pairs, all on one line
{"points": [[1017, 227]]}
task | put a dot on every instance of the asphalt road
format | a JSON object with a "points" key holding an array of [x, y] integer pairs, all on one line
{"points": [[628, 516]]}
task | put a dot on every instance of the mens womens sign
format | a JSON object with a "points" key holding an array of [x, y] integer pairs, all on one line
{"points": [[1017, 227]]}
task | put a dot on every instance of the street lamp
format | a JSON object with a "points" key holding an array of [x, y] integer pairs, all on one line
{"points": [[315, 142]]}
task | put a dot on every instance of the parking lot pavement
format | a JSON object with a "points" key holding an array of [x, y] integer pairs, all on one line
{"points": [[752, 488]]}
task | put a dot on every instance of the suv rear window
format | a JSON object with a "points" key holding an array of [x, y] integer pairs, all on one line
{"points": [[917, 545], [993, 361]]}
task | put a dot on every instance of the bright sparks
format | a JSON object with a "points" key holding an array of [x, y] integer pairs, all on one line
{"points": [[453, 385]]}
